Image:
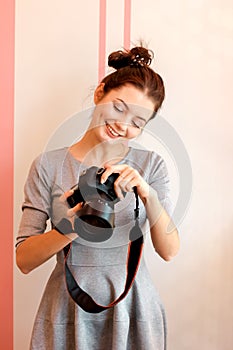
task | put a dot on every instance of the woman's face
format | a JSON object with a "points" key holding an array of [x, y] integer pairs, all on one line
{"points": [[120, 114]]}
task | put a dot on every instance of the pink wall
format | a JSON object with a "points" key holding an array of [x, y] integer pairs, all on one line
{"points": [[102, 32], [6, 170]]}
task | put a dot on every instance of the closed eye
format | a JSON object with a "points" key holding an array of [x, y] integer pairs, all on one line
{"points": [[139, 122], [136, 125], [118, 107]]}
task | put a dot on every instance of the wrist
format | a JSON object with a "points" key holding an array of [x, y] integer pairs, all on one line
{"points": [[153, 206], [150, 196]]}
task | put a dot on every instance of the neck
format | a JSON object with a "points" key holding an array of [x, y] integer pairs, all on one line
{"points": [[91, 152]]}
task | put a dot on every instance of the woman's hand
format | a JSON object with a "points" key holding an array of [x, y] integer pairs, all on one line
{"points": [[165, 244], [127, 179], [71, 212], [37, 249]]}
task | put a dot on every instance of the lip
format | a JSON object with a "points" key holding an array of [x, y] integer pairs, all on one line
{"points": [[111, 131]]}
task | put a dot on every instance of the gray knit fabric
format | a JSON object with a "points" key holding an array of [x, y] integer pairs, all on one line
{"points": [[137, 322]]}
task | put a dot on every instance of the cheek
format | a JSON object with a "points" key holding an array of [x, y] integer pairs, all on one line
{"points": [[107, 111], [133, 132], [100, 116]]}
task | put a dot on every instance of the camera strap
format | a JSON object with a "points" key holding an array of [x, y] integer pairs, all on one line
{"points": [[135, 247]]}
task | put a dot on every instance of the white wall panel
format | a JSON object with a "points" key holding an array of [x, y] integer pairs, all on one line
{"points": [[192, 41]]}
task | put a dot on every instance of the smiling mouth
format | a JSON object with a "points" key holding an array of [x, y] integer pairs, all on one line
{"points": [[112, 131]]}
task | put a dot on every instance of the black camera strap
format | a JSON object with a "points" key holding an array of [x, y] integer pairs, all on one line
{"points": [[135, 248]]}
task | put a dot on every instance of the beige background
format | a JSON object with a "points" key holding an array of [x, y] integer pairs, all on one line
{"points": [[56, 71]]}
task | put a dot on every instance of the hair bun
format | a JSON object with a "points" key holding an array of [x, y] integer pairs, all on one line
{"points": [[136, 57], [118, 59], [140, 56]]}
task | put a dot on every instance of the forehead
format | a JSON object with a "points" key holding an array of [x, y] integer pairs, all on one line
{"points": [[131, 95]]}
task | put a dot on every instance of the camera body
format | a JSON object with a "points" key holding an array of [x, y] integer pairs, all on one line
{"points": [[95, 220], [89, 185]]}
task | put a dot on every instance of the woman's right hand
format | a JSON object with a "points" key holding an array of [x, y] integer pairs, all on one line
{"points": [[71, 212], [37, 249]]}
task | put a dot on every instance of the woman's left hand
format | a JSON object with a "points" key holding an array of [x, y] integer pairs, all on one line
{"points": [[127, 179], [166, 245]]}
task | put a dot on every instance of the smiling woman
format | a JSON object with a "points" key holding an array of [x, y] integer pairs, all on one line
{"points": [[122, 112], [124, 102]]}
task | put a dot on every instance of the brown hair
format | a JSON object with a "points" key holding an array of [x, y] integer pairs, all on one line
{"points": [[132, 67]]}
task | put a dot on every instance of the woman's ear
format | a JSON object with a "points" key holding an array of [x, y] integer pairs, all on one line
{"points": [[99, 93]]}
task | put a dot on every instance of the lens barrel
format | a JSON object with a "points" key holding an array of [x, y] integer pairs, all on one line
{"points": [[95, 221]]}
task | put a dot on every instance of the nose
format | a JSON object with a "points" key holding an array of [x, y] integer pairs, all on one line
{"points": [[121, 125], [123, 121]]}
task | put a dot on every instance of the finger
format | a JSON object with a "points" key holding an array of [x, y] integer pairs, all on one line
{"points": [[65, 195], [111, 169], [124, 181], [128, 182], [126, 176], [118, 192], [125, 186], [128, 187], [72, 211], [121, 187], [122, 169]]}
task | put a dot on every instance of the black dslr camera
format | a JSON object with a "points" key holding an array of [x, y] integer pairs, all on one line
{"points": [[95, 221]]}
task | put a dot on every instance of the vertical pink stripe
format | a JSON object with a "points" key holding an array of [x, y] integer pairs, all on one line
{"points": [[7, 8], [127, 24], [102, 39]]}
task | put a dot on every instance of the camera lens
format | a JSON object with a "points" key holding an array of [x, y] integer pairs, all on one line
{"points": [[95, 221]]}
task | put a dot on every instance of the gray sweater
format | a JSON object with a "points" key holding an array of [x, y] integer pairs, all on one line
{"points": [[137, 322]]}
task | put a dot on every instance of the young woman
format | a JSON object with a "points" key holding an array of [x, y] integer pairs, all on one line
{"points": [[125, 101]]}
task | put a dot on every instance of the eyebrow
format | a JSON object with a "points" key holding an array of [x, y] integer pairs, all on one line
{"points": [[127, 107]]}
